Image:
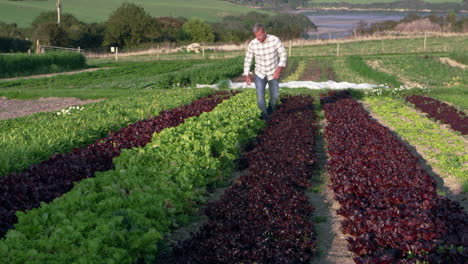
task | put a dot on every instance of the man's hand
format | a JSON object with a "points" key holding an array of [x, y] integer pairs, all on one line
{"points": [[277, 73], [248, 80]]}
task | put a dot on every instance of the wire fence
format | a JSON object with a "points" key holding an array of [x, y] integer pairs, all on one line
{"points": [[44, 48]]}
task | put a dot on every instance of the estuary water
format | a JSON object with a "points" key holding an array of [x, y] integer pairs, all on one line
{"points": [[340, 23]]}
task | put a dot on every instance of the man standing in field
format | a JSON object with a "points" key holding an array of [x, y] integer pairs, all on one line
{"points": [[270, 60]]}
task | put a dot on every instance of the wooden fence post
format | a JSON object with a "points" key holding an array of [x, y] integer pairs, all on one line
{"points": [[382, 47], [38, 47], [425, 40], [116, 53], [337, 49], [290, 45]]}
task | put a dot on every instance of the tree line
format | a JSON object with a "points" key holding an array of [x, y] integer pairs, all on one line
{"points": [[130, 26]]}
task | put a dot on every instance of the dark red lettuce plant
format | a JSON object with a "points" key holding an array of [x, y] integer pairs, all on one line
{"points": [[442, 112], [390, 204]]}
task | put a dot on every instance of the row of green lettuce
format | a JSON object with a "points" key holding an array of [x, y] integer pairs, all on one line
{"points": [[442, 148], [122, 214], [31, 139]]}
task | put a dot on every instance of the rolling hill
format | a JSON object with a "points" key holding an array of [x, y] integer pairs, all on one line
{"points": [[24, 12]]}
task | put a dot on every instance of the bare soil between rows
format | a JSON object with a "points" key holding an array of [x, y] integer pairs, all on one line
{"points": [[13, 108], [333, 247], [54, 74]]}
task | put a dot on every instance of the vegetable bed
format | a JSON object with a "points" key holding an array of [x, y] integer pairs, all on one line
{"points": [[390, 204], [52, 178], [265, 216], [120, 215]]}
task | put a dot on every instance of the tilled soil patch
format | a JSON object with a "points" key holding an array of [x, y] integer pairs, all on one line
{"points": [[317, 71], [12, 108]]}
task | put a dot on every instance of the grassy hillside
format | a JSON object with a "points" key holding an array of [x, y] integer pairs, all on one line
{"points": [[24, 12]]}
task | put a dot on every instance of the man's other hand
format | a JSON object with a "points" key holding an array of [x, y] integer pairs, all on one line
{"points": [[248, 80], [277, 73]]}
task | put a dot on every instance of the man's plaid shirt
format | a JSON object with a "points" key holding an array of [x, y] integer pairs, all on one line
{"points": [[269, 55]]}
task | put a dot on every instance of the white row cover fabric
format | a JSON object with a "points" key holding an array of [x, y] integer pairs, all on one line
{"points": [[300, 84]]}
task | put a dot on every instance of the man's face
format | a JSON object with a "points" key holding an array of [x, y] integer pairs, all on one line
{"points": [[260, 35]]}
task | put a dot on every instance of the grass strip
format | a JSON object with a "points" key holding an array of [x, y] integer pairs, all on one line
{"points": [[297, 73], [459, 55], [424, 70], [357, 64]]}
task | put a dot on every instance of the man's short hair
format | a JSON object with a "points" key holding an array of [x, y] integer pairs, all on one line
{"points": [[257, 27]]}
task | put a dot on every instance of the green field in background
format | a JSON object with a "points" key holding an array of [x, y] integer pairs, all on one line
{"points": [[24, 12]]}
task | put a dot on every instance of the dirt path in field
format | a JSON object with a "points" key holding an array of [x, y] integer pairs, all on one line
{"points": [[453, 63], [377, 65], [450, 186], [54, 74], [314, 71], [12, 108], [332, 243]]}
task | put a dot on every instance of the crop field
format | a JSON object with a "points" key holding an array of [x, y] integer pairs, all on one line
{"points": [[158, 171]]}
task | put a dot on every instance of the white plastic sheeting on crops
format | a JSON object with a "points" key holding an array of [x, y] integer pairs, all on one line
{"points": [[300, 84]]}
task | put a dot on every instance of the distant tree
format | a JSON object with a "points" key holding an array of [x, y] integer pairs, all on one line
{"points": [[288, 26], [362, 27], [231, 29], [78, 33], [129, 26], [295, 3], [66, 20], [451, 19], [461, 25], [10, 30], [91, 36], [171, 29], [410, 17], [49, 33], [198, 31]]}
